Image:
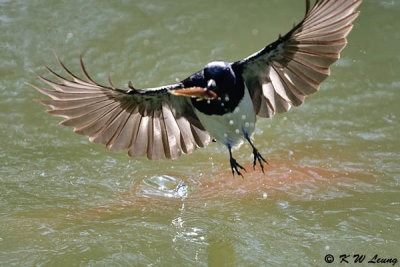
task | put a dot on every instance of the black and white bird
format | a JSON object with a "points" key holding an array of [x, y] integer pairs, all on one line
{"points": [[219, 102]]}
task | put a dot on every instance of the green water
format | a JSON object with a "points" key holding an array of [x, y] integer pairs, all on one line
{"points": [[332, 185]]}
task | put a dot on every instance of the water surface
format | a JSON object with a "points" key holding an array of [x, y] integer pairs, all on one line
{"points": [[332, 185]]}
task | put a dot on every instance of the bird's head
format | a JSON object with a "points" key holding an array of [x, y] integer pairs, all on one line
{"points": [[219, 78]]}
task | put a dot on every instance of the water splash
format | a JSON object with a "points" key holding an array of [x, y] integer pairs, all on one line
{"points": [[165, 186]]}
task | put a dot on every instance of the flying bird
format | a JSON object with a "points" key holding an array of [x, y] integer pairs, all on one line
{"points": [[219, 102]]}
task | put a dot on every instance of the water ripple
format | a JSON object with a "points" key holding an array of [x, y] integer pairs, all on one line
{"points": [[163, 185]]}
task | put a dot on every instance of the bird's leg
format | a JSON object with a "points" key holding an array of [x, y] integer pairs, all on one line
{"points": [[234, 164], [257, 155]]}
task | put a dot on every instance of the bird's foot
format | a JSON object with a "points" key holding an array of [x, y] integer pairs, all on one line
{"points": [[259, 158], [235, 166]]}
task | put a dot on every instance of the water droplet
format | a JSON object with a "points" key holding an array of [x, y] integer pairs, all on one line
{"points": [[243, 117], [247, 124], [231, 122], [222, 104], [254, 32], [226, 98], [236, 110], [219, 98], [69, 36], [192, 234], [237, 131], [225, 135], [208, 101]]}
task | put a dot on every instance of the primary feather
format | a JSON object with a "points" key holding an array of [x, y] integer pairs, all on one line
{"points": [[150, 122], [283, 73]]}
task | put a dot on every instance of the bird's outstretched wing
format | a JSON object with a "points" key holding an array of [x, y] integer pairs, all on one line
{"points": [[284, 72], [149, 122]]}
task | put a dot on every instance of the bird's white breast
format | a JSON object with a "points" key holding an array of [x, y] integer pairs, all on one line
{"points": [[230, 128]]}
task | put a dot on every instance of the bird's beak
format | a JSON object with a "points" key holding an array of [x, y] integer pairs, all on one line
{"points": [[196, 92]]}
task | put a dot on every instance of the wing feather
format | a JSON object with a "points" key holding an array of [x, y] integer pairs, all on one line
{"points": [[98, 120], [295, 65], [156, 140], [139, 147], [188, 142], [87, 119], [74, 112], [107, 132], [59, 104], [127, 134], [149, 122], [172, 132]]}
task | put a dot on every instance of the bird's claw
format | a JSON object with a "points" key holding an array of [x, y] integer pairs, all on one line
{"points": [[259, 158], [235, 166]]}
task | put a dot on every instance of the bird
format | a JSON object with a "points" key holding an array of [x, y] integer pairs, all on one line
{"points": [[219, 103]]}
